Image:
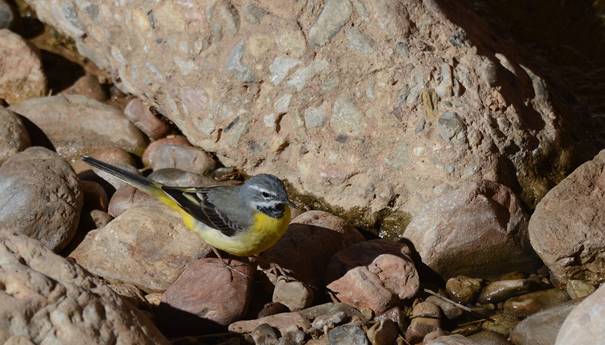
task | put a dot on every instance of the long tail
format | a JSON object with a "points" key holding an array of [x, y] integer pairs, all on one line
{"points": [[144, 184]]}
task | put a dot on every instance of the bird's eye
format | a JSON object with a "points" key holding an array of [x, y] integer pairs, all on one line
{"points": [[265, 194]]}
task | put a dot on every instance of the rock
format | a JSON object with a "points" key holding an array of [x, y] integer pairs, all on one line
{"points": [[312, 238], [501, 323], [182, 157], [111, 155], [170, 140], [478, 229], [209, 289], [48, 299], [585, 324], [130, 293], [6, 15], [40, 197], [281, 321], [145, 246], [363, 289], [13, 135], [463, 289], [180, 178], [128, 197], [533, 302], [347, 335], [265, 334], [77, 125], [207, 82], [455, 339], [501, 290], [95, 197], [449, 310], [293, 294], [578, 288], [425, 319], [488, 338], [138, 113], [272, 308], [21, 73], [564, 229], [100, 218], [383, 332], [398, 275], [542, 327], [396, 315], [154, 298], [87, 86], [330, 314]]}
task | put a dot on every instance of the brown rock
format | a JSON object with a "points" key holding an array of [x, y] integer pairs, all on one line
{"points": [[455, 339], [383, 332], [293, 294], [578, 288], [76, 125], [449, 310], [88, 86], [363, 289], [128, 197], [182, 157], [425, 319], [100, 218], [209, 289], [565, 229], [180, 178], [145, 246], [95, 197], [170, 140], [533, 302], [48, 299], [142, 117], [542, 327], [265, 335], [272, 308], [40, 197], [489, 338], [312, 238], [478, 229], [585, 324], [398, 274], [396, 315], [21, 74], [501, 290], [13, 135], [501, 323], [112, 155], [281, 321], [463, 289]]}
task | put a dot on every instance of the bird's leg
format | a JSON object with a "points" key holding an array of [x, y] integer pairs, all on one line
{"points": [[227, 265], [274, 269]]}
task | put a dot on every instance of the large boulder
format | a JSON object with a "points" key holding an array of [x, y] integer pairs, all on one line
{"points": [[585, 324], [478, 229], [46, 299], [368, 105], [566, 229], [40, 197]]}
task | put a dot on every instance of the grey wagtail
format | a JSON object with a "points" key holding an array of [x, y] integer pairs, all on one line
{"points": [[242, 220]]}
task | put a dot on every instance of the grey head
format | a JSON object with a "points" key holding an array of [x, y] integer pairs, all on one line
{"points": [[265, 193]]}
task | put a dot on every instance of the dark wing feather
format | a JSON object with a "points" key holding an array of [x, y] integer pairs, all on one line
{"points": [[196, 202]]}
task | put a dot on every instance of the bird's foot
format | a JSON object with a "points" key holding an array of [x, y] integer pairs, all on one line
{"points": [[274, 271], [227, 264]]}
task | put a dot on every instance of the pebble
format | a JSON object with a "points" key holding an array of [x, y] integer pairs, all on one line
{"points": [[280, 68], [265, 335], [21, 73], [579, 288], [6, 15], [501, 290], [329, 321], [347, 335], [333, 16], [128, 197], [141, 116], [455, 339], [111, 155], [282, 322], [182, 157], [88, 85], [179, 178], [169, 140], [533, 302], [328, 310], [463, 289], [95, 197], [425, 319], [489, 338], [40, 196], [543, 326], [212, 291], [363, 289], [396, 315], [359, 41], [398, 275], [13, 135], [383, 332], [501, 323], [146, 246], [293, 294], [449, 310], [100, 218]]}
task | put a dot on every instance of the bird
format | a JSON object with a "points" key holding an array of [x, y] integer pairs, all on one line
{"points": [[243, 220]]}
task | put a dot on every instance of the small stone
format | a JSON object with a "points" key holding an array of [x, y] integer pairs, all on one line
{"points": [[235, 65], [396, 315], [533, 302], [154, 298], [280, 68], [212, 291], [293, 294], [40, 197], [398, 275], [500, 323], [463, 289], [146, 246], [579, 288], [346, 118], [100, 218], [315, 117], [333, 16], [170, 140], [450, 125], [501, 290], [179, 178], [272, 308], [111, 155], [347, 335], [299, 79], [328, 321], [6, 15], [450, 311], [182, 157], [13, 134], [88, 86], [362, 288], [265, 335], [95, 197], [425, 319], [383, 332], [542, 327], [454, 339], [282, 322], [357, 40], [293, 336], [21, 73], [128, 197], [489, 338], [141, 116], [332, 311]]}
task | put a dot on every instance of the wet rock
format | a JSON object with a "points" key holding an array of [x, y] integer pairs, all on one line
{"points": [[333, 16], [138, 113], [49, 299], [77, 125], [488, 338], [281, 321], [501, 323], [463, 289], [578, 288], [40, 197], [347, 335], [564, 229], [182, 157], [87, 86], [170, 140], [501, 290], [383, 332], [312, 238], [128, 197], [531, 303], [145, 246], [542, 327], [6, 15], [293, 294], [13, 135], [425, 319], [585, 324], [449, 310], [478, 229], [21, 74], [180, 178], [209, 289]]}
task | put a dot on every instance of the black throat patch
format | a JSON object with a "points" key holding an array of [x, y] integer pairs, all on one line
{"points": [[276, 211]]}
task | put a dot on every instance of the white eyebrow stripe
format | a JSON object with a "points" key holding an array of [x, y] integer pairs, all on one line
{"points": [[268, 204], [261, 189]]}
